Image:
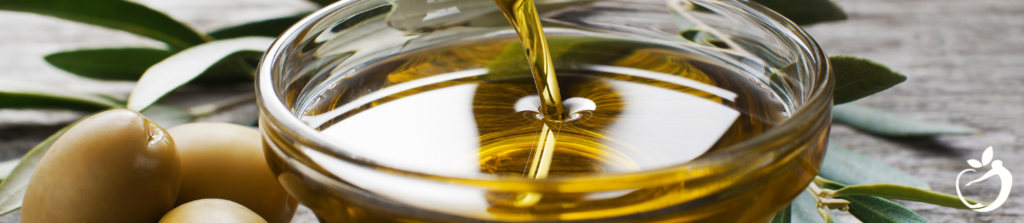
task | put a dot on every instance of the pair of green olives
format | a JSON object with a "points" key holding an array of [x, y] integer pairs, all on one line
{"points": [[118, 166]]}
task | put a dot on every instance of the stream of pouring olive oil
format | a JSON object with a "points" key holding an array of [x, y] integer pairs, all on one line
{"points": [[494, 108]]}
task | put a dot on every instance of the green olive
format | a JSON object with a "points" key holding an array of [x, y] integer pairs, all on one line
{"points": [[211, 210], [226, 161], [116, 166]]}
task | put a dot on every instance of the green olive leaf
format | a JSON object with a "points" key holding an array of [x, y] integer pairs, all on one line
{"points": [[806, 12], [168, 116], [271, 27], [705, 38], [323, 2], [122, 15], [847, 167], [7, 166], [880, 122], [690, 34], [26, 94], [858, 77], [874, 209], [126, 64], [185, 66], [903, 193], [828, 184], [784, 216], [235, 68], [12, 189]]}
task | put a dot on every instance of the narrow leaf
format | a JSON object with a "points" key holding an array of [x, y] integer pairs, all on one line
{"points": [[986, 157], [974, 163], [323, 2], [25, 94], [885, 123], [806, 12], [12, 190], [271, 27], [690, 34], [858, 77], [7, 166], [903, 193], [784, 215], [168, 116], [108, 64], [847, 167], [130, 63], [828, 184], [122, 15], [185, 66], [874, 209]]}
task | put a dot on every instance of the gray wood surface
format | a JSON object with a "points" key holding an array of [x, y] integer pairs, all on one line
{"points": [[964, 60], [965, 65]]}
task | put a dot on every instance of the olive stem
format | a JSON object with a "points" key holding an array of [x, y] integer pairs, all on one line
{"points": [[816, 194], [815, 191], [824, 215], [825, 200], [211, 108]]}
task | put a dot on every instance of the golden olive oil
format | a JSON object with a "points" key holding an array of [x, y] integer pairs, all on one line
{"points": [[523, 16], [477, 127], [471, 110]]}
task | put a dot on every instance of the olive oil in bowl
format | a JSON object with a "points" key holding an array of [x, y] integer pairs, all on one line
{"points": [[436, 113], [469, 110]]}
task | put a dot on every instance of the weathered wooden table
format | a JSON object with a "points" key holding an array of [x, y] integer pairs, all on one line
{"points": [[964, 60]]}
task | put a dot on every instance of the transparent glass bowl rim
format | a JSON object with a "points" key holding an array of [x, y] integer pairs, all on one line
{"points": [[292, 127]]}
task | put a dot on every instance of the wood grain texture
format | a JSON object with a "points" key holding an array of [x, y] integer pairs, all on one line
{"points": [[964, 60]]}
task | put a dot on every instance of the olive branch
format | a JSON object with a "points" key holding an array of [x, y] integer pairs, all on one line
{"points": [[847, 181]]}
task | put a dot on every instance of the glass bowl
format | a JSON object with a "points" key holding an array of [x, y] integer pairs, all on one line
{"points": [[746, 181]]}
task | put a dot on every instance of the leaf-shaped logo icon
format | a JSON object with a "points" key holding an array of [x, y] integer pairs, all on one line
{"points": [[1005, 180], [974, 163], [986, 157]]}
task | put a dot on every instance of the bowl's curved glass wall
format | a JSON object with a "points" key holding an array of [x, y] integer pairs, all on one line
{"points": [[331, 62]]}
